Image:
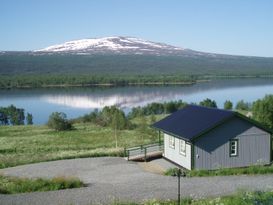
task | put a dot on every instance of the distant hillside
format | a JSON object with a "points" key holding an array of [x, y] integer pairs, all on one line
{"points": [[27, 63], [122, 60]]}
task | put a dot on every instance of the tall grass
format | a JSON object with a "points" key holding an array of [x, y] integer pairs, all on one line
{"points": [[252, 170], [241, 198], [13, 185]]}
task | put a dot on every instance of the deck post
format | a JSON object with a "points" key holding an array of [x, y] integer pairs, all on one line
{"points": [[128, 154]]}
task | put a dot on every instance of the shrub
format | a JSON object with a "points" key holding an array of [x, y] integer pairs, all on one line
{"points": [[59, 122], [174, 172], [228, 105]]}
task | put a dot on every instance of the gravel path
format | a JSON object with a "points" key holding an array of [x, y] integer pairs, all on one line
{"points": [[111, 179]]}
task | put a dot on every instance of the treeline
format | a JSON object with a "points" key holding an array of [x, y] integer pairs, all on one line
{"points": [[261, 110], [172, 106], [12, 115], [112, 116], [48, 80], [157, 108], [82, 80]]}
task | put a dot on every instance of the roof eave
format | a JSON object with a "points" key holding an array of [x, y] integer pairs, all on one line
{"points": [[170, 133], [254, 122]]}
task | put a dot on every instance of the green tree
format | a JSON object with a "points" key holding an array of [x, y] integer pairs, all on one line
{"points": [[16, 115], [263, 111], [242, 105], [143, 125], [118, 122], [3, 116], [29, 119], [170, 107], [208, 103], [228, 105], [153, 132], [59, 122]]}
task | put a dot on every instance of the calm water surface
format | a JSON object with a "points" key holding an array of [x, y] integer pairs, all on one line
{"points": [[78, 101]]}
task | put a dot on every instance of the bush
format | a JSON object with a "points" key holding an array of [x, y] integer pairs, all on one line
{"points": [[59, 122], [174, 172]]}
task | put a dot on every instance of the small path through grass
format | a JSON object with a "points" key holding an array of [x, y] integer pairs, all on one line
{"points": [[113, 178]]}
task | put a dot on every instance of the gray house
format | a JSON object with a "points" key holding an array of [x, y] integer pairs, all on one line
{"points": [[198, 137]]}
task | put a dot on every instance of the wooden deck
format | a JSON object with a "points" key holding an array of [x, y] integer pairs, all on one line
{"points": [[144, 152]]}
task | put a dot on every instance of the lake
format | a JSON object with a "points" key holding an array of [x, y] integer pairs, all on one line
{"points": [[79, 101]]}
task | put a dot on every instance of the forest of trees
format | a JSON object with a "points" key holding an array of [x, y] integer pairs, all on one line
{"points": [[47, 80]]}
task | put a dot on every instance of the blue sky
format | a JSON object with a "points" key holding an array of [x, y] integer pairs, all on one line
{"points": [[243, 27]]}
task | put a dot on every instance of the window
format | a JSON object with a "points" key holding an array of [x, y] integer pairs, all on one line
{"points": [[183, 147], [171, 141], [233, 145]]}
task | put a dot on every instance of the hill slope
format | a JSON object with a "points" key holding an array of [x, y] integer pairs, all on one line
{"points": [[123, 57]]}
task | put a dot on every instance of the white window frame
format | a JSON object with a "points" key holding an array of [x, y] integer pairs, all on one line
{"points": [[171, 142], [233, 147], [182, 147]]}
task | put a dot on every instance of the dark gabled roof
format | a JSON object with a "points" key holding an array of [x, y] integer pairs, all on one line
{"points": [[192, 121]]}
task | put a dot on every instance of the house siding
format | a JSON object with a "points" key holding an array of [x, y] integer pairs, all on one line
{"points": [[174, 155], [212, 150]]}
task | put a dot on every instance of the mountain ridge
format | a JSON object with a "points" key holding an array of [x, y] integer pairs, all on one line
{"points": [[126, 45], [114, 45], [128, 56]]}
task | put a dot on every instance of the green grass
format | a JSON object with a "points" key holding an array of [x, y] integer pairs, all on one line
{"points": [[29, 144], [13, 185], [241, 198], [252, 170]]}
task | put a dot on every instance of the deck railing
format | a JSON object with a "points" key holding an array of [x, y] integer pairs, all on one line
{"points": [[142, 151]]}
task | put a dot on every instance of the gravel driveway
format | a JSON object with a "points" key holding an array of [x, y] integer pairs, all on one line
{"points": [[112, 179]]}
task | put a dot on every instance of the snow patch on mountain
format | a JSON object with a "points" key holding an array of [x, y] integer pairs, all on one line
{"points": [[112, 44]]}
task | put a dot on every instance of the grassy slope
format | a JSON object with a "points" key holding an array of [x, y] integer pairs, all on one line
{"points": [[28, 144]]}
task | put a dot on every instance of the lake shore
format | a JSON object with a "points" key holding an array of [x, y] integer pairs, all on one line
{"points": [[47, 81]]}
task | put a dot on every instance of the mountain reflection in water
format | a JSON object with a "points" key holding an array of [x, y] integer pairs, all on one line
{"points": [[78, 101]]}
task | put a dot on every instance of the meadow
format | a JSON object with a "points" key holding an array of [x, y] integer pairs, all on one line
{"points": [[33, 143]]}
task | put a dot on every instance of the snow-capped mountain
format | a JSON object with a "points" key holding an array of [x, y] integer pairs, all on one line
{"points": [[115, 45]]}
